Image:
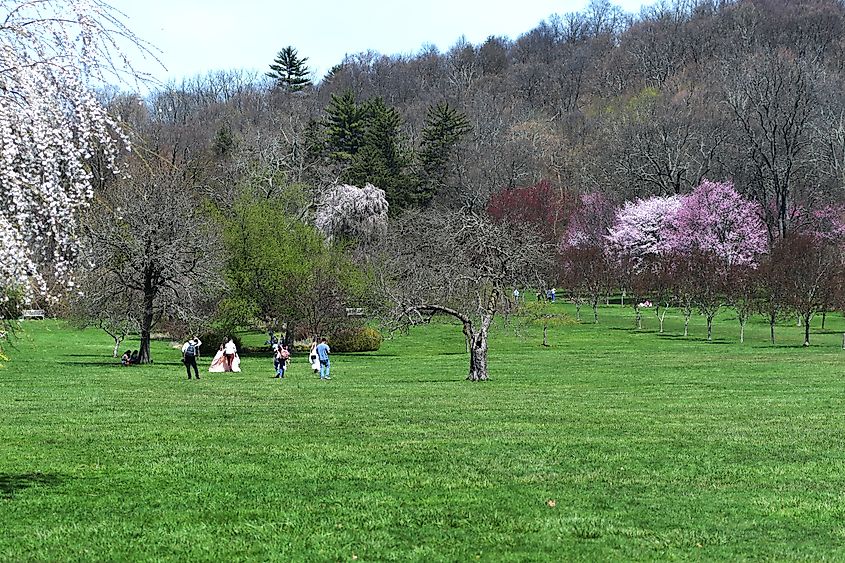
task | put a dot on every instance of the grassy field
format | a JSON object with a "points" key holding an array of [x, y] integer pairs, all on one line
{"points": [[612, 444]]}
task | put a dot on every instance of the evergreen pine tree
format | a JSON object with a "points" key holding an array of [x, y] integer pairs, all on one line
{"points": [[366, 138], [382, 159], [444, 128], [289, 70], [345, 126]]}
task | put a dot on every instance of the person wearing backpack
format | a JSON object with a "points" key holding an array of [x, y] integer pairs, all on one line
{"points": [[190, 351]]}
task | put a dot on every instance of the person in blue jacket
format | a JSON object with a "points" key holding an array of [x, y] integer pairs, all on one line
{"points": [[323, 351]]}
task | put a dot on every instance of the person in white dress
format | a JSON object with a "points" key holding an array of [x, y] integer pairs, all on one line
{"points": [[218, 364], [314, 358]]}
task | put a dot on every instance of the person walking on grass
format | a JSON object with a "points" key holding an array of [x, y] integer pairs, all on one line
{"points": [[190, 351], [229, 352], [314, 358], [323, 351], [282, 355]]}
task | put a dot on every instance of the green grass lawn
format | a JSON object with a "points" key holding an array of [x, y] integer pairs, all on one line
{"points": [[612, 444]]}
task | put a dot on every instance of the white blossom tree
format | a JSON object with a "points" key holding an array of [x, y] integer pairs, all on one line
{"points": [[354, 213], [53, 55]]}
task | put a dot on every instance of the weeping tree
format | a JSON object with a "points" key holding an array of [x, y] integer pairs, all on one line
{"points": [[284, 271], [51, 121], [458, 264], [350, 213]]}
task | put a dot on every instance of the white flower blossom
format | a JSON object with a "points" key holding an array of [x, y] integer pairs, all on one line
{"points": [[353, 212], [52, 56]]}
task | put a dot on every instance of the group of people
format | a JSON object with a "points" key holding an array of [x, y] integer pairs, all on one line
{"points": [[318, 357], [129, 358], [226, 358], [549, 295]]}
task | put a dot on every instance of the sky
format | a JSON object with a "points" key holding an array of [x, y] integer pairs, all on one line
{"points": [[198, 36]]}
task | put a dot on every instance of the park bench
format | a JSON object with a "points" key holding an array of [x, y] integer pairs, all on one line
{"points": [[33, 314], [354, 311]]}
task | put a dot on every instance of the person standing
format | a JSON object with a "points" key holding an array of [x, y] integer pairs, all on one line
{"points": [[313, 358], [229, 351], [277, 351], [190, 351], [323, 351], [282, 358]]}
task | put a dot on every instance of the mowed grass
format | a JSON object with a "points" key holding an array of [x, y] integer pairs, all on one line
{"points": [[612, 444]]}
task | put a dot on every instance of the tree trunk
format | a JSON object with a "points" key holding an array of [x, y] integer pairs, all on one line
{"points": [[639, 318], [478, 357], [772, 327], [117, 341], [577, 309], [596, 308], [709, 328], [742, 322], [687, 315], [663, 318], [824, 318], [623, 298], [147, 321], [546, 333], [807, 318]]}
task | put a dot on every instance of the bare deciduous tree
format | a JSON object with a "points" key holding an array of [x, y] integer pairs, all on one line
{"points": [[149, 237], [458, 264]]}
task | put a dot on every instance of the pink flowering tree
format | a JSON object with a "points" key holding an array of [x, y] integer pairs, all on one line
{"points": [[639, 229], [637, 238], [716, 219], [725, 234], [52, 55]]}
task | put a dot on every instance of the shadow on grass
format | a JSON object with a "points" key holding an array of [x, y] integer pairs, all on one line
{"points": [[375, 354], [439, 381], [675, 336], [112, 364], [12, 483], [88, 356], [116, 364]]}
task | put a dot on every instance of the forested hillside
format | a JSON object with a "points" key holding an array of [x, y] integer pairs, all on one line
{"points": [[749, 91]]}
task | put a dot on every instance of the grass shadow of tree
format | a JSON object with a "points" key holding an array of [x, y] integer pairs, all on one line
{"points": [[12, 483]]}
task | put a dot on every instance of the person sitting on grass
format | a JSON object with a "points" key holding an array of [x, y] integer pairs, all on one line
{"points": [[126, 358], [134, 358]]}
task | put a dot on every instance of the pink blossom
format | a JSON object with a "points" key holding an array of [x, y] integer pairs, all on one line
{"points": [[716, 218], [639, 228], [589, 223]]}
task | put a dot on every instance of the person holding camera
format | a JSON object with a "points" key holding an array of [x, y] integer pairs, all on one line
{"points": [[190, 352]]}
